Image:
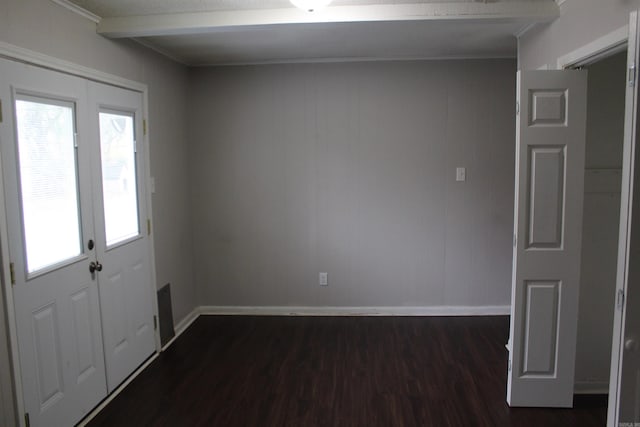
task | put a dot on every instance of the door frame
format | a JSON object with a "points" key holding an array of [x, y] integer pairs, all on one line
{"points": [[616, 41], [15, 53]]}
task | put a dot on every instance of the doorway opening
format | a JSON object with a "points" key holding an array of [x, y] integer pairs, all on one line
{"points": [[606, 89]]}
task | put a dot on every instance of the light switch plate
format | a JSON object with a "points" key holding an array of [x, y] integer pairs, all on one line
{"points": [[323, 279], [461, 174]]}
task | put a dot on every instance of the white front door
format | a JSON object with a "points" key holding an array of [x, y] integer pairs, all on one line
{"points": [[48, 187], [548, 222], [123, 246], [73, 161]]}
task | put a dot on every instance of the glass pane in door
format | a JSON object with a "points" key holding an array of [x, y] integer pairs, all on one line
{"points": [[120, 195], [48, 181]]}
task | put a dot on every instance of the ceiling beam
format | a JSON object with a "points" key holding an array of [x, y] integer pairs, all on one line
{"points": [[207, 22]]}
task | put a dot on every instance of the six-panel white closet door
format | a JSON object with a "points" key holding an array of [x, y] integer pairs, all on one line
{"points": [[73, 165], [550, 150]]}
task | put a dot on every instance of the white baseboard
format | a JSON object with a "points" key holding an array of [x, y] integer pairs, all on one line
{"points": [[494, 310], [182, 326], [591, 387]]}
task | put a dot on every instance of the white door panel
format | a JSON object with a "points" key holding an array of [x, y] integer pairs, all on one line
{"points": [[48, 354], [129, 334], [546, 178], [548, 220], [83, 335], [55, 297], [122, 244]]}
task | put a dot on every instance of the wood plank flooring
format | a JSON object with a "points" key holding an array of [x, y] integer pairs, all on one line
{"points": [[335, 371]]}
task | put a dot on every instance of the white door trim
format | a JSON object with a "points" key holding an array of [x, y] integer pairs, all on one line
{"points": [[16, 53], [17, 398], [626, 202], [592, 51]]}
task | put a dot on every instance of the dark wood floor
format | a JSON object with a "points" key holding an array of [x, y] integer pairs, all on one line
{"points": [[335, 371]]}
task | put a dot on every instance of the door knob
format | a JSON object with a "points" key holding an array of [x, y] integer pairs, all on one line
{"points": [[631, 344], [94, 266]]}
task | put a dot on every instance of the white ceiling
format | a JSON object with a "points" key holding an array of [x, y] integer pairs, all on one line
{"points": [[216, 32]]}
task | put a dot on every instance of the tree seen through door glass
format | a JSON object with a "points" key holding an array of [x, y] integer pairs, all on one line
{"points": [[120, 196], [48, 182]]}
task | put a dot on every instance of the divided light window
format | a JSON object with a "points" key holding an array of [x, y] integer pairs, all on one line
{"points": [[48, 172], [119, 189]]}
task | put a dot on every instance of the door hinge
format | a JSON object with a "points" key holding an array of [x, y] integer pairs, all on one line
{"points": [[620, 299], [144, 126], [632, 75], [515, 240], [148, 227], [135, 146], [0, 110], [155, 322], [27, 422], [509, 365], [12, 272], [517, 108]]}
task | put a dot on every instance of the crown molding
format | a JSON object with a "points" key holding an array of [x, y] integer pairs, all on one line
{"points": [[78, 10]]}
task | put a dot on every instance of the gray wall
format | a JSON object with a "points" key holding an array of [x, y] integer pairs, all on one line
{"points": [[349, 168], [581, 22], [605, 133]]}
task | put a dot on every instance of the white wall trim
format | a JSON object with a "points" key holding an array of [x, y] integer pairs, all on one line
{"points": [[17, 53], [117, 391], [492, 310], [78, 10], [591, 387], [210, 310], [602, 45], [525, 29], [183, 325], [161, 51], [350, 60]]}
